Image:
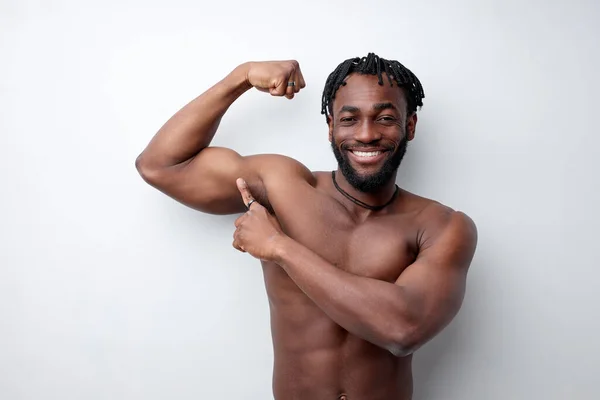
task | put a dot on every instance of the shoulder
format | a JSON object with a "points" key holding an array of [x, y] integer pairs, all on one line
{"points": [[441, 226], [439, 218], [276, 177]]}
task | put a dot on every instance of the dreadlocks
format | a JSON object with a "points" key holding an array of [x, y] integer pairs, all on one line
{"points": [[372, 64]]}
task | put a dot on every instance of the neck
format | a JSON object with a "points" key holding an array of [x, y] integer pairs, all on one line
{"points": [[380, 197]]}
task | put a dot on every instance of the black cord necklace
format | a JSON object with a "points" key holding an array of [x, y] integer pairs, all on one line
{"points": [[360, 203]]}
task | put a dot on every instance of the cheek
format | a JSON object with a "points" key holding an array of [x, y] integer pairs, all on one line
{"points": [[394, 132], [340, 135]]}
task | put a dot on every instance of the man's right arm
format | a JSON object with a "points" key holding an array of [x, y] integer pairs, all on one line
{"points": [[178, 160]]}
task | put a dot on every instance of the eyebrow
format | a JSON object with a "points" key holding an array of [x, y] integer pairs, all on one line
{"points": [[351, 109], [376, 106], [383, 106]]}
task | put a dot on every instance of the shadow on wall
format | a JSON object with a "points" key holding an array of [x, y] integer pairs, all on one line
{"points": [[432, 361], [438, 366]]}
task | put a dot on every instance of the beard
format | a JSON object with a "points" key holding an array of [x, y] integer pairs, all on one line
{"points": [[373, 182]]}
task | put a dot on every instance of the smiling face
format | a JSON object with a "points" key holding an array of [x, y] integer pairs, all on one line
{"points": [[369, 130]]}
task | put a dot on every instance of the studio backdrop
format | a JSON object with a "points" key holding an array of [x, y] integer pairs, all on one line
{"points": [[111, 290]]}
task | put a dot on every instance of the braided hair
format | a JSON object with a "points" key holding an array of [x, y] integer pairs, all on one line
{"points": [[372, 64]]}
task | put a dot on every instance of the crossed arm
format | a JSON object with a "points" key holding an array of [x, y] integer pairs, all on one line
{"points": [[400, 316]]}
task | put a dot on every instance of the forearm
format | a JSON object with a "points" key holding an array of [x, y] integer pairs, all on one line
{"points": [[193, 127], [379, 312]]}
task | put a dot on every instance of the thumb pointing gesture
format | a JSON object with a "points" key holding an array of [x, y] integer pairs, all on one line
{"points": [[245, 192], [257, 232]]}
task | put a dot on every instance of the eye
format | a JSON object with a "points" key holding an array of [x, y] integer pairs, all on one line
{"points": [[347, 119], [387, 120]]}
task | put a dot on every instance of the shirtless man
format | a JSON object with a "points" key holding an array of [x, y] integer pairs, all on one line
{"points": [[359, 273]]}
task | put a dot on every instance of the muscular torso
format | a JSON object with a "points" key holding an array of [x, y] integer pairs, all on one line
{"points": [[316, 359]]}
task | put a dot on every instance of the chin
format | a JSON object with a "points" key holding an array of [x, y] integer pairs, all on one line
{"points": [[370, 168], [370, 176], [363, 179], [368, 183], [365, 174]]}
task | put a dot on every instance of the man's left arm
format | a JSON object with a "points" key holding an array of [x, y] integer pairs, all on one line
{"points": [[400, 316]]}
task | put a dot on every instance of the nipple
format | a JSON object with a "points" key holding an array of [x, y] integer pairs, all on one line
{"points": [[342, 396]]}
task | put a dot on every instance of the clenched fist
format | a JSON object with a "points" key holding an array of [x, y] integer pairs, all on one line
{"points": [[280, 78]]}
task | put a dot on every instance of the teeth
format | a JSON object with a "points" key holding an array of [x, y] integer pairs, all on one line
{"points": [[367, 153]]}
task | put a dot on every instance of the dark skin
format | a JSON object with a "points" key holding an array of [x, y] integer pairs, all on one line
{"points": [[353, 292]]}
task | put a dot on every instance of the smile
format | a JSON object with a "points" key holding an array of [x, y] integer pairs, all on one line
{"points": [[367, 154], [367, 157]]}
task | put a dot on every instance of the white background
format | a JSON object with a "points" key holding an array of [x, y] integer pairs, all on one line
{"points": [[111, 290]]}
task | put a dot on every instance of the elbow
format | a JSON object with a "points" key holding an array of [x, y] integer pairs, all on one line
{"points": [[404, 342], [400, 350], [149, 175]]}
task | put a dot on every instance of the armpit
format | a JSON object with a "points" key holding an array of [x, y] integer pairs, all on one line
{"points": [[259, 192]]}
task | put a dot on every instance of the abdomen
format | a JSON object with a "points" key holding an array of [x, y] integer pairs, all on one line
{"points": [[316, 359]]}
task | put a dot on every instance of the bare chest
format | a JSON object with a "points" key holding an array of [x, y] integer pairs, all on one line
{"points": [[380, 247]]}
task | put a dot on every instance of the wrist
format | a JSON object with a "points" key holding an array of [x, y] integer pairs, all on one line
{"points": [[281, 246], [241, 75], [237, 81]]}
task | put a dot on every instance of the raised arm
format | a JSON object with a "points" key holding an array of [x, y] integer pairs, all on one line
{"points": [[178, 160]]}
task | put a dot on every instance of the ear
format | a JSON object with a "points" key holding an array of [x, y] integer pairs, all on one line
{"points": [[411, 125]]}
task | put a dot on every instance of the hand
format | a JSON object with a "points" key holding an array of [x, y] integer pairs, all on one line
{"points": [[274, 76], [257, 232]]}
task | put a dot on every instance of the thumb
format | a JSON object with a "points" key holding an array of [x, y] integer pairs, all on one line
{"points": [[244, 190]]}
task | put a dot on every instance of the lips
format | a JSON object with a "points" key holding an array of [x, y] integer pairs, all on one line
{"points": [[367, 156], [366, 153]]}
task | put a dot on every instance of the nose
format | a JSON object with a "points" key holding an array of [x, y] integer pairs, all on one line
{"points": [[367, 132]]}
